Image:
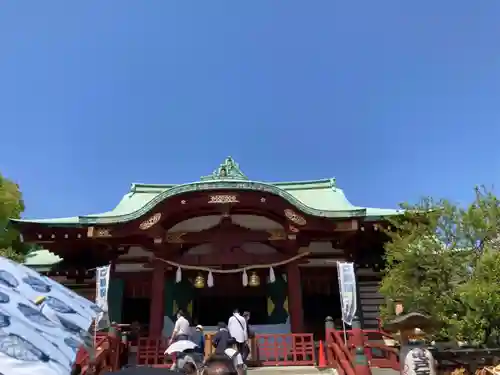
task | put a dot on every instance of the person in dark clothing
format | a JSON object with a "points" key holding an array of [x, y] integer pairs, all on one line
{"points": [[222, 339], [245, 350], [198, 338]]}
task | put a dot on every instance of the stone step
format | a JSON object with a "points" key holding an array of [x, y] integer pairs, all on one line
{"points": [[290, 370], [383, 371]]}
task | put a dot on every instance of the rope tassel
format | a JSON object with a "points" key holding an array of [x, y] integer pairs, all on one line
{"points": [[210, 280], [245, 278], [272, 277], [178, 275]]}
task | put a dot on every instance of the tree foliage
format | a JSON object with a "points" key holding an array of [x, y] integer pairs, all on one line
{"points": [[11, 206], [444, 260]]}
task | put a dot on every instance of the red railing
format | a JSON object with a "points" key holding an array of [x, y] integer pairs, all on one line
{"points": [[150, 352], [338, 356], [294, 349], [270, 350], [378, 354], [107, 354]]}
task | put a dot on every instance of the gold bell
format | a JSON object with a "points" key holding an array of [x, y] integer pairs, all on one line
{"points": [[199, 282], [254, 279]]}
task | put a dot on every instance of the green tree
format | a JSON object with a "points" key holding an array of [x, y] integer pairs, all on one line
{"points": [[443, 260], [11, 206]]}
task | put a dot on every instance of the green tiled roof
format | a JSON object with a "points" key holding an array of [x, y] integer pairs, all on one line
{"points": [[319, 198]]}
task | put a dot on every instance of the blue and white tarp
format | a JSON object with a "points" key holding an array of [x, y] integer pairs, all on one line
{"points": [[39, 338], [347, 285]]}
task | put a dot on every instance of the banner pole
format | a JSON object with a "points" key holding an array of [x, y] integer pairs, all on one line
{"points": [[345, 333], [96, 301]]}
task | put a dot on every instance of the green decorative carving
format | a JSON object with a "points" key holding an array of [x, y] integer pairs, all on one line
{"points": [[227, 171], [182, 295], [277, 292], [115, 299], [210, 185], [168, 302]]}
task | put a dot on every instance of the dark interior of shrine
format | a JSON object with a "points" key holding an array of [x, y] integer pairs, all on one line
{"points": [[320, 298], [210, 310], [136, 310], [216, 304]]}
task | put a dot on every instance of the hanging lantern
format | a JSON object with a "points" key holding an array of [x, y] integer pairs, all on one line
{"points": [[199, 282], [254, 279]]}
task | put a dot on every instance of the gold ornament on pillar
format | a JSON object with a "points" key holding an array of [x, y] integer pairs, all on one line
{"points": [[254, 280], [270, 306], [199, 282]]}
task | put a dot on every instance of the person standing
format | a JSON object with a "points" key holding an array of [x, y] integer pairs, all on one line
{"points": [[181, 330], [222, 339], [199, 339], [250, 334], [237, 326]]}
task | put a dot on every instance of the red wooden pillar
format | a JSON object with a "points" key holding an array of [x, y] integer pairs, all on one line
{"points": [[157, 300], [295, 308]]}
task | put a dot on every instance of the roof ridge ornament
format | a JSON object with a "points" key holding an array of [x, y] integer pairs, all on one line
{"points": [[228, 170]]}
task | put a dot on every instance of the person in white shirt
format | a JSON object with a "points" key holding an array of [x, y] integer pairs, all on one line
{"points": [[237, 326], [182, 329]]}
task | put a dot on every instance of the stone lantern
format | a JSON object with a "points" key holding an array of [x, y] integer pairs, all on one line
{"points": [[414, 357]]}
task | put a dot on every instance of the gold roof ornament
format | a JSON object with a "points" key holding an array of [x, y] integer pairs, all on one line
{"points": [[254, 280], [199, 282]]}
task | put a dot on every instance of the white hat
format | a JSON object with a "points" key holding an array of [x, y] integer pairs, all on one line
{"points": [[200, 327]]}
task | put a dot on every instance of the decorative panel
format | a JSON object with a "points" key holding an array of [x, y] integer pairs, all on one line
{"points": [[178, 296], [115, 299], [277, 302]]}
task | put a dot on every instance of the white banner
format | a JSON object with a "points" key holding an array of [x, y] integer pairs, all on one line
{"points": [[347, 286], [101, 296]]}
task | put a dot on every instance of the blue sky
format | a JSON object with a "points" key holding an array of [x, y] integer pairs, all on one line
{"points": [[396, 99]]}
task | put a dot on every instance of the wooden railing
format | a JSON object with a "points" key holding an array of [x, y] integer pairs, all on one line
{"points": [[150, 351], [106, 357], [341, 354], [268, 350], [337, 355], [377, 353], [293, 349]]}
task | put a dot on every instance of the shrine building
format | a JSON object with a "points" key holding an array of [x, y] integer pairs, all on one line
{"points": [[222, 242]]}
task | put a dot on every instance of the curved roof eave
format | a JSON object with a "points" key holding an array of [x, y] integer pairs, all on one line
{"points": [[218, 185], [143, 198]]}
